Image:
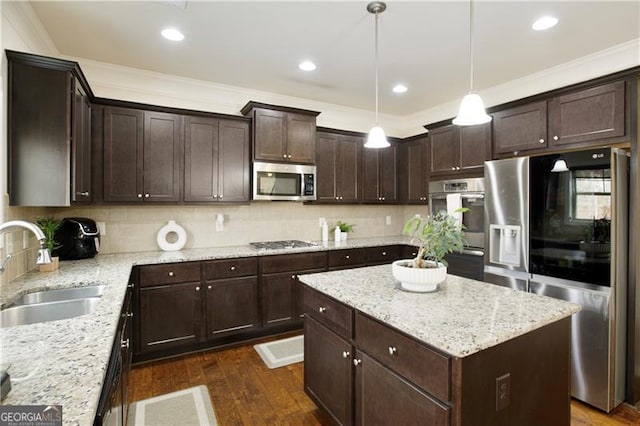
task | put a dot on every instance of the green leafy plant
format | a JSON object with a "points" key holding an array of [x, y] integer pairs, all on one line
{"points": [[49, 226], [345, 227], [437, 235], [598, 231]]}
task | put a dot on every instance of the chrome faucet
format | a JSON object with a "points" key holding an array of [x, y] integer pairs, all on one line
{"points": [[43, 254]]}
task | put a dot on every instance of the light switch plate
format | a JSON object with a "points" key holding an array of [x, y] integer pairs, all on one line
{"points": [[388, 220]]}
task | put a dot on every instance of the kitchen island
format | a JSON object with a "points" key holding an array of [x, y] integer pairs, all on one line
{"points": [[469, 354]]}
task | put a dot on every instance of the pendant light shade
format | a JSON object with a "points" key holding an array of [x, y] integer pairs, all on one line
{"points": [[560, 166], [377, 137], [471, 110]]}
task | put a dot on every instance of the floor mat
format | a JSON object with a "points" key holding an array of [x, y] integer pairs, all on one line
{"points": [[281, 352], [186, 407]]}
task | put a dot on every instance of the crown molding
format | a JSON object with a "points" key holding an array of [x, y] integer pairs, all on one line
{"points": [[27, 26]]}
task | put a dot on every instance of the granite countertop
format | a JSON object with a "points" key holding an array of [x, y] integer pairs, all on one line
{"points": [[64, 362], [463, 317]]}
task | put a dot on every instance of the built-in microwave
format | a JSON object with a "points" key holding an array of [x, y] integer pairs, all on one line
{"points": [[288, 182]]}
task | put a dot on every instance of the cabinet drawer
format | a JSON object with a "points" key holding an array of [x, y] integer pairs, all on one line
{"points": [[294, 262], [404, 355], [169, 274], [329, 312], [230, 268], [348, 257], [382, 255]]}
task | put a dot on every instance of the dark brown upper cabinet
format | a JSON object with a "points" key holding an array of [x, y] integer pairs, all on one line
{"points": [[588, 115], [282, 134], [459, 150], [379, 176], [338, 158], [413, 170], [576, 119], [216, 160], [49, 124], [142, 156]]}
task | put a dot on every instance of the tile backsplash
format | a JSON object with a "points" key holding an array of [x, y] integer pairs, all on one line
{"points": [[134, 228]]}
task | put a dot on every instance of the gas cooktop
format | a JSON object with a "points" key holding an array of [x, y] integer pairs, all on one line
{"points": [[280, 245]]}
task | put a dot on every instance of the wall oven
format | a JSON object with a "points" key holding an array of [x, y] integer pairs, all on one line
{"points": [[469, 193], [286, 182]]}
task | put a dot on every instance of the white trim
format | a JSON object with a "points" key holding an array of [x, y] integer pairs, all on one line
{"points": [[26, 24]]}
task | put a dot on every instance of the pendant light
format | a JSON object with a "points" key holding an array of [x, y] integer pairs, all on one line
{"points": [[471, 110], [377, 138]]}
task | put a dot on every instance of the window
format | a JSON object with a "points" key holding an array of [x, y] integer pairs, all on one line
{"points": [[592, 194]]}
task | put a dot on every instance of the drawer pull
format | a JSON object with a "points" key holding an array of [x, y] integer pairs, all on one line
{"points": [[322, 309], [209, 287], [347, 257], [293, 277], [198, 288], [233, 268], [393, 350], [555, 138], [346, 354], [541, 141], [357, 362], [171, 273], [124, 344], [384, 253], [132, 285]]}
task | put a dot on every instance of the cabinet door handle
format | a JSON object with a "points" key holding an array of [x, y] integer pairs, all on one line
{"points": [[322, 309], [341, 198], [83, 193], [357, 362], [555, 138], [209, 287], [453, 168], [171, 273], [198, 288], [215, 196], [284, 155], [220, 197], [458, 168], [337, 198], [293, 277], [130, 314], [393, 350], [131, 285], [346, 354], [541, 140], [516, 152], [124, 344], [384, 253], [139, 195], [233, 268], [289, 156], [347, 257]]}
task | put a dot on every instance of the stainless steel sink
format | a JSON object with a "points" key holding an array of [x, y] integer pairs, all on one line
{"points": [[60, 295], [49, 311]]}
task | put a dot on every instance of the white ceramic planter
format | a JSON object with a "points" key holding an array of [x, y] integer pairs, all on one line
{"points": [[421, 280]]}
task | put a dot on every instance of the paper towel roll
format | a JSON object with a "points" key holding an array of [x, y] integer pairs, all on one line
{"points": [[170, 227], [454, 202]]}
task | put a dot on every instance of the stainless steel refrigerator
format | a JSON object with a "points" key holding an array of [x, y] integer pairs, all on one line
{"points": [[557, 225]]}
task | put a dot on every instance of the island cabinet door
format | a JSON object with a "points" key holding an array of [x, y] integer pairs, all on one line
{"points": [[328, 371], [384, 398]]}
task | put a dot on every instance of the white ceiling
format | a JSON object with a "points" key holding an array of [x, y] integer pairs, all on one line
{"points": [[258, 45]]}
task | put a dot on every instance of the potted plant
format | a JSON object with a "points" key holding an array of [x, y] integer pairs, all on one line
{"points": [[436, 236], [49, 225], [597, 241], [345, 228]]}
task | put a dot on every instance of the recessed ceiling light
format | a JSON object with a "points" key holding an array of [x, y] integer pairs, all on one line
{"points": [[544, 23], [399, 88], [307, 66], [172, 34]]}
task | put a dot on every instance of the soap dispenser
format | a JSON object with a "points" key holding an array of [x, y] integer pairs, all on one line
{"points": [[337, 234]]}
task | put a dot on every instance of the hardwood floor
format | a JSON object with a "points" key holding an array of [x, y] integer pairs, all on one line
{"points": [[245, 392]]}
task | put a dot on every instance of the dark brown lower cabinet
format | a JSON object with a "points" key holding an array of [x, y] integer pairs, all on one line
{"points": [[384, 398], [327, 371], [170, 316], [232, 306]]}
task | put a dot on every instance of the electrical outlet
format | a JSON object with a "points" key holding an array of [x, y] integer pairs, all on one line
{"points": [[503, 391], [102, 226], [387, 220]]}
